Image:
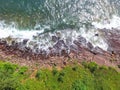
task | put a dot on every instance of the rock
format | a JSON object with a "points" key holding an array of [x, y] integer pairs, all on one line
{"points": [[58, 34], [112, 38], [55, 38], [98, 50], [20, 46], [64, 52], [65, 63], [13, 43], [25, 41], [51, 51], [68, 40], [82, 40], [60, 44], [79, 45], [97, 34], [16, 45], [74, 48], [37, 51], [3, 42], [89, 46]]}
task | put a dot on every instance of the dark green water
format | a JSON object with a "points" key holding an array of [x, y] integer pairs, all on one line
{"points": [[25, 12], [58, 14]]}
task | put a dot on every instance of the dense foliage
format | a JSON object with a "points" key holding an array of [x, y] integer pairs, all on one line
{"points": [[88, 76]]}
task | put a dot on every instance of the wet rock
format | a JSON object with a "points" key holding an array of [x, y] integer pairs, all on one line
{"points": [[74, 48], [20, 46], [89, 46], [98, 50], [3, 42], [76, 43], [79, 45], [97, 34], [112, 38], [37, 51], [25, 41], [44, 54], [60, 44], [82, 40], [55, 38], [58, 34], [51, 51], [16, 44], [13, 43], [65, 52], [68, 41]]}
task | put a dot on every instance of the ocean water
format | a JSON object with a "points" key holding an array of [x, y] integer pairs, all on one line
{"points": [[39, 20]]}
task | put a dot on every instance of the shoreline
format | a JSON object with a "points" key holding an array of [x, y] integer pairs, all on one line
{"points": [[60, 61]]}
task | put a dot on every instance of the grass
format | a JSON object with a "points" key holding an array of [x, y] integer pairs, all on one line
{"points": [[88, 76]]}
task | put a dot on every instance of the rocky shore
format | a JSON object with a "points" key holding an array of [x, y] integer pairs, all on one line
{"points": [[60, 53]]}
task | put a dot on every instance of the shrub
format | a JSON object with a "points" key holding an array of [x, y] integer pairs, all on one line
{"points": [[60, 78], [22, 70], [118, 66], [78, 85], [75, 68], [54, 71], [85, 64], [7, 81], [92, 66], [38, 74], [9, 68], [62, 74], [103, 68], [8, 84]]}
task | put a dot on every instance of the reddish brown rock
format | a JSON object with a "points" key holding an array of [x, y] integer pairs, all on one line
{"points": [[113, 40]]}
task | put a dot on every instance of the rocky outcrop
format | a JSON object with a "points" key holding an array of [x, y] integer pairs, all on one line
{"points": [[79, 49], [112, 38]]}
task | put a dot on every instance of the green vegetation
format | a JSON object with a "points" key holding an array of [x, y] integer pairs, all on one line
{"points": [[88, 76]]}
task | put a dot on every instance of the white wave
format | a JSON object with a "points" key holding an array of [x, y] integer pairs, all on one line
{"points": [[95, 40], [114, 22], [10, 30], [44, 41]]}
